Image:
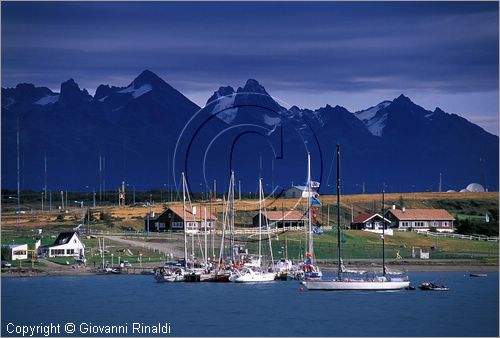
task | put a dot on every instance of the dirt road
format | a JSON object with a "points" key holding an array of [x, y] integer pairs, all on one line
{"points": [[163, 247]]}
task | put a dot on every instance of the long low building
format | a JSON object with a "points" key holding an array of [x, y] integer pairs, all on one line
{"points": [[281, 219], [172, 220], [421, 219]]}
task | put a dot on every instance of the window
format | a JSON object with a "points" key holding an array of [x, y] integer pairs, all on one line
{"points": [[70, 251], [405, 224], [445, 224]]}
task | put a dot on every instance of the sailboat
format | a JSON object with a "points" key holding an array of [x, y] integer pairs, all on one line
{"points": [[176, 273], [309, 270], [344, 281], [251, 273]]}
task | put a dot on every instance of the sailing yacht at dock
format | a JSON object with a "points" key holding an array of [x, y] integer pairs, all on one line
{"points": [[309, 271], [251, 273], [345, 281]]}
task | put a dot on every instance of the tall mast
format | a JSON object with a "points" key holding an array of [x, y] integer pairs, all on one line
{"points": [[18, 177], [231, 213], [206, 249], [45, 179], [383, 230], [309, 215], [338, 212], [260, 218], [184, 217]]}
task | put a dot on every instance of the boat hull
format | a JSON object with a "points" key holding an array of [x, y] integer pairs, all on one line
{"points": [[478, 275], [356, 285], [265, 277]]}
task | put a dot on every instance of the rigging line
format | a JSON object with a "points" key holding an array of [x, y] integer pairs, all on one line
{"points": [[330, 171]]}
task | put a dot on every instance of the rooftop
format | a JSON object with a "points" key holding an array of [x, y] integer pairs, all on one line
{"points": [[287, 215], [422, 214]]}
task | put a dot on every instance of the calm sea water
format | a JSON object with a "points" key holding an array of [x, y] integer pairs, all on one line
{"points": [[470, 308]]}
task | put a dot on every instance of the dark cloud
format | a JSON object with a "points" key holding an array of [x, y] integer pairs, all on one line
{"points": [[445, 47]]}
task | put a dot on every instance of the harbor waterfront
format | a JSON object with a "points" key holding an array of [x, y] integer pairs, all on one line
{"points": [[100, 304]]}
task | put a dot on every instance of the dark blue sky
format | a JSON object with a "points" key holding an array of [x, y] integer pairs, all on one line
{"points": [[354, 54]]}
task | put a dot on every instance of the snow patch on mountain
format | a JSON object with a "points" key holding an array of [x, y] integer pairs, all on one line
{"points": [[271, 121], [376, 125], [368, 114], [137, 92], [222, 111], [103, 98], [49, 99]]}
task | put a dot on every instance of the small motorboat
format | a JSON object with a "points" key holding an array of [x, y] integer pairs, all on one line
{"points": [[430, 286], [478, 275]]}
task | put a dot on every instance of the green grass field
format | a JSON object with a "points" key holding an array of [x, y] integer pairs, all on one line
{"points": [[364, 245], [355, 245]]}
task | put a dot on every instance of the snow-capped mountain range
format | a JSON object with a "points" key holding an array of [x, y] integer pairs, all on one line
{"points": [[137, 129]]}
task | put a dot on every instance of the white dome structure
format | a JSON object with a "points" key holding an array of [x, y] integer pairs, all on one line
{"points": [[451, 190], [464, 190], [475, 187]]}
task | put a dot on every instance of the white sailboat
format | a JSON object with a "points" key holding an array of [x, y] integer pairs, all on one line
{"points": [[345, 281], [251, 273], [309, 270]]}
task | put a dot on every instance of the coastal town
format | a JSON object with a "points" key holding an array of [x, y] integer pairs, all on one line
{"points": [[146, 235]]}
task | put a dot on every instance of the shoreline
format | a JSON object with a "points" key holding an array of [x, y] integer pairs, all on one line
{"points": [[405, 266]]}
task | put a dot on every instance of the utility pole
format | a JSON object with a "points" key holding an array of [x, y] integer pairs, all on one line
{"points": [[328, 212], [215, 189], [45, 179], [483, 183], [440, 181], [272, 177], [100, 176], [239, 190], [18, 179], [383, 230]]}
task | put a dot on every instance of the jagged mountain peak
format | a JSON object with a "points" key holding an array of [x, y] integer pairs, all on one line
{"points": [[402, 100], [70, 91], [102, 91], [221, 92], [335, 109], [148, 77], [253, 86], [438, 111]]}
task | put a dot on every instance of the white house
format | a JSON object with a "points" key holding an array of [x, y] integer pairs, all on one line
{"points": [[67, 244], [18, 251], [421, 219], [299, 191]]}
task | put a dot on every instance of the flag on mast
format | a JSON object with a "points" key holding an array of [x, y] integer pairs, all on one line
{"points": [[315, 201]]}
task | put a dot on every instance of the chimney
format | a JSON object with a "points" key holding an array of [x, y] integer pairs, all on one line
{"points": [[394, 207], [403, 209], [194, 210], [37, 244]]}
